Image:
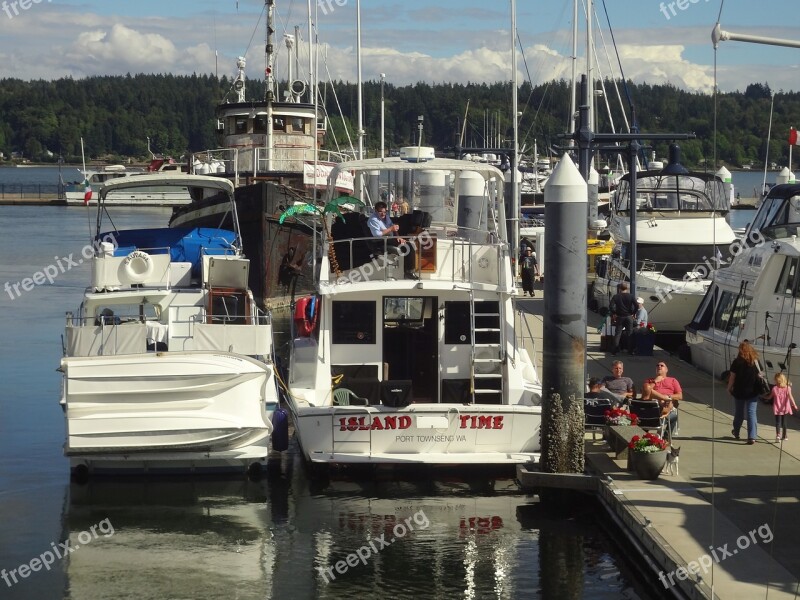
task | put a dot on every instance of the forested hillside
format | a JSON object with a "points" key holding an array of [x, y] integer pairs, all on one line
{"points": [[115, 115]]}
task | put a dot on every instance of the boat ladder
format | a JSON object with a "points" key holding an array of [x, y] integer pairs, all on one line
{"points": [[487, 351]]}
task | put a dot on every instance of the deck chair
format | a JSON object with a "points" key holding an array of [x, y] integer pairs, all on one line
{"points": [[649, 413], [594, 410], [345, 397]]}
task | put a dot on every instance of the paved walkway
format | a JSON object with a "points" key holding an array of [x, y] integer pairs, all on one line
{"points": [[729, 497]]}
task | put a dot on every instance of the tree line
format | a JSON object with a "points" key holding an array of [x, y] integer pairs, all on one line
{"points": [[44, 120]]}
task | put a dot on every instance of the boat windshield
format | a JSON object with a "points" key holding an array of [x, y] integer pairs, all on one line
{"points": [[778, 216], [655, 192]]}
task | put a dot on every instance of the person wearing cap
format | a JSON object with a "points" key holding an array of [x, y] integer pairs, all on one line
{"points": [[530, 269], [639, 324]]}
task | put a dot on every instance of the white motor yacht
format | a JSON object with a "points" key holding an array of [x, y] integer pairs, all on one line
{"points": [[681, 236], [755, 298], [168, 362], [434, 368]]}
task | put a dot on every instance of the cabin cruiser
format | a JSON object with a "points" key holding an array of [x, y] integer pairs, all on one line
{"points": [[681, 236], [432, 368], [87, 190], [168, 361], [755, 298]]}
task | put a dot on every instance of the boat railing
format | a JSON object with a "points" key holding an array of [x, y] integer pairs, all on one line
{"points": [[115, 334], [256, 162], [443, 255], [619, 269]]}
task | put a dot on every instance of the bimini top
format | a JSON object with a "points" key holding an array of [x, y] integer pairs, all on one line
{"points": [[693, 192], [398, 164]]}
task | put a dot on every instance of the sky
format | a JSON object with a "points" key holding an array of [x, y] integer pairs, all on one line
{"points": [[434, 41]]}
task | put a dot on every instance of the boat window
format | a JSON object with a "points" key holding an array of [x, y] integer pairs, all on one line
{"points": [[731, 311], [353, 322], [786, 282], [260, 124], [297, 124], [702, 318], [456, 323], [278, 124], [406, 311], [778, 217], [240, 126]]}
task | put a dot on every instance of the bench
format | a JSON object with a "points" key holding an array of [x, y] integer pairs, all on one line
{"points": [[619, 436]]}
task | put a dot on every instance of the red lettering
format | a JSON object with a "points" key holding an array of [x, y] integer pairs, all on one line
{"points": [[474, 423], [362, 426], [391, 422], [498, 422], [376, 423], [464, 419], [352, 424], [484, 422], [341, 424], [404, 422]]}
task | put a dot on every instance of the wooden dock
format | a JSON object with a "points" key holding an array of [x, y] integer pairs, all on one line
{"points": [[725, 527]]}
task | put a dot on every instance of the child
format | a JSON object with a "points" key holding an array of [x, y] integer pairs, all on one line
{"points": [[782, 404]]}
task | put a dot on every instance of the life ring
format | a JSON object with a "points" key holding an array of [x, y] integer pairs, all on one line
{"points": [[138, 266], [305, 315]]}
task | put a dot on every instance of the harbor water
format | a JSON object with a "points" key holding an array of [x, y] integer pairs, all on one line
{"points": [[367, 534]]}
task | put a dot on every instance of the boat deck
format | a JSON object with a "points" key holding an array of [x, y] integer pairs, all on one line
{"points": [[703, 518]]}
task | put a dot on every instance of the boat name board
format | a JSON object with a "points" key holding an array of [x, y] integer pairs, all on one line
{"points": [[390, 422]]}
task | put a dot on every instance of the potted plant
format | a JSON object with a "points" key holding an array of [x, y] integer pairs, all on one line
{"points": [[648, 454], [618, 417]]}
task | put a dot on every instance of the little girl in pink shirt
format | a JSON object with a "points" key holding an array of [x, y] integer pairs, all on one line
{"points": [[782, 404]]}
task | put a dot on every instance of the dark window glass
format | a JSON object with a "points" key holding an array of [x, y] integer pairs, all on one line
{"points": [[457, 323], [260, 124], [353, 323]]}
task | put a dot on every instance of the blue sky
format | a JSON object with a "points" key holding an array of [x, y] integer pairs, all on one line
{"points": [[409, 40]]}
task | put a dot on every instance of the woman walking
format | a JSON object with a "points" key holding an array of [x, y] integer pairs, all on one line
{"points": [[744, 373]]}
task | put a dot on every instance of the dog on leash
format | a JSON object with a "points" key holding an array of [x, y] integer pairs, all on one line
{"points": [[673, 456]]}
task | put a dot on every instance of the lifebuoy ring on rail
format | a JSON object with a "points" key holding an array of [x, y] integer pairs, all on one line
{"points": [[305, 315], [138, 266]]}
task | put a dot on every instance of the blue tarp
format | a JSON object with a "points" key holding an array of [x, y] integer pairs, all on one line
{"points": [[183, 243]]}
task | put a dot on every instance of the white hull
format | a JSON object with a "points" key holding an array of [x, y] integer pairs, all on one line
{"points": [[452, 434], [177, 406]]}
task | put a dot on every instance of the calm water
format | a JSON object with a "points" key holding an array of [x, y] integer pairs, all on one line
{"points": [[473, 537]]}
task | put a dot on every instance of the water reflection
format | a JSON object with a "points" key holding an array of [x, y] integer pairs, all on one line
{"points": [[366, 535]]}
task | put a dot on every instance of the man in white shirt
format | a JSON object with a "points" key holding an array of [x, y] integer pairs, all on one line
{"points": [[380, 225]]}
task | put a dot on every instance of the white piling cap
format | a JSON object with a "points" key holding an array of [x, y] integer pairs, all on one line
{"points": [[566, 184], [724, 174]]}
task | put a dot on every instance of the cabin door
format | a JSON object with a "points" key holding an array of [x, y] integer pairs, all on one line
{"points": [[410, 344], [782, 324]]}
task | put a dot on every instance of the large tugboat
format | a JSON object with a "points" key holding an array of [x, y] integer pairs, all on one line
{"points": [[168, 362], [269, 149]]}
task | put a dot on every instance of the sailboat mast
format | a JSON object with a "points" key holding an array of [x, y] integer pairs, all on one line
{"points": [[590, 62], [515, 200], [572, 98], [270, 78], [358, 63]]}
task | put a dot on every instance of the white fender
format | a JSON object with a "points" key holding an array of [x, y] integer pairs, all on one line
{"points": [[138, 266]]}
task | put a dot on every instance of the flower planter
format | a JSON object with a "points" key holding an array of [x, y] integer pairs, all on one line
{"points": [[644, 343], [648, 465]]}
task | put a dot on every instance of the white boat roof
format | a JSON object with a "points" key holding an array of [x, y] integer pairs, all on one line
{"points": [[436, 164], [167, 179]]}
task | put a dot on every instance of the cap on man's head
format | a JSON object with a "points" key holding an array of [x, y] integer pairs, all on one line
{"points": [[594, 381], [640, 300]]}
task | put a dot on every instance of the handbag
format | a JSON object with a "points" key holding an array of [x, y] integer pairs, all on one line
{"points": [[762, 387]]}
